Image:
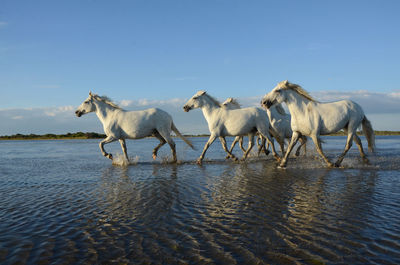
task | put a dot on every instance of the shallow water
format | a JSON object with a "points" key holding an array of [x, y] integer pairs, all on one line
{"points": [[61, 202]]}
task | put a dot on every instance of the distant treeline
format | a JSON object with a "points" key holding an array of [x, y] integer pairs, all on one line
{"points": [[50, 136], [376, 133], [93, 135]]}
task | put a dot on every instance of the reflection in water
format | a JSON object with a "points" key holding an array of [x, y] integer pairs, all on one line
{"points": [[235, 214], [219, 213]]}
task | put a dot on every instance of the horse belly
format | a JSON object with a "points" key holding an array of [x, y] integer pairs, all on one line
{"points": [[136, 127], [239, 126]]}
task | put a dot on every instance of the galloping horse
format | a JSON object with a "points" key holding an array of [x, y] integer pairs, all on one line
{"points": [[119, 124], [231, 103], [224, 122], [280, 123], [312, 118]]}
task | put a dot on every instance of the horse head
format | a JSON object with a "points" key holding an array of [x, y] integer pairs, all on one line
{"points": [[87, 106], [276, 96], [231, 103], [195, 101]]}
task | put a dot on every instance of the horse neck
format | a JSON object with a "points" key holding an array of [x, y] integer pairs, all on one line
{"points": [[274, 114], [296, 103], [209, 108], [103, 110]]}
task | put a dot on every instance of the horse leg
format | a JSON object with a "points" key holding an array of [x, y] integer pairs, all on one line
{"points": [[162, 142], [303, 140], [317, 143], [209, 142], [237, 138], [123, 146], [251, 144], [259, 145], [262, 146], [223, 142], [265, 133], [241, 143], [293, 141], [109, 139], [167, 137], [349, 143], [360, 148], [281, 142]]}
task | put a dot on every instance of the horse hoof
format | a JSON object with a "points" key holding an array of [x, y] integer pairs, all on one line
{"points": [[366, 161], [154, 156], [282, 167], [199, 162], [110, 156], [331, 165]]}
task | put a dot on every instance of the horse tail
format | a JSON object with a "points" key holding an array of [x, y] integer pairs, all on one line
{"points": [[369, 134], [176, 131]]}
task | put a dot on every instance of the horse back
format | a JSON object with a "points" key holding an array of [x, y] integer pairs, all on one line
{"points": [[337, 115], [240, 121], [143, 123]]}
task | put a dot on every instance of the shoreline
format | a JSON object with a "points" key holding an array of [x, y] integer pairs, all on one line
{"points": [[93, 135]]}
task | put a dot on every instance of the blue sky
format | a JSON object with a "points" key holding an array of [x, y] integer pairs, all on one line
{"points": [[159, 53]]}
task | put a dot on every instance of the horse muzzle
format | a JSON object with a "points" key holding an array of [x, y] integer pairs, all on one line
{"points": [[267, 103], [78, 113], [186, 108]]}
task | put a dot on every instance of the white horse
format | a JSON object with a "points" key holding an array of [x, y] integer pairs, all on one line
{"points": [[223, 122], [280, 127], [119, 124], [280, 123], [312, 118], [231, 103]]}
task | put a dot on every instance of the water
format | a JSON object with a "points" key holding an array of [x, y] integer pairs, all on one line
{"points": [[61, 202]]}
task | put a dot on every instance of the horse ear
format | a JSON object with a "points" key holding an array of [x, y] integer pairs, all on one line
{"points": [[202, 92], [90, 93], [285, 82]]}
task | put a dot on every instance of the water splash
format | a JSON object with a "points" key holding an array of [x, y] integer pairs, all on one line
{"points": [[119, 160]]}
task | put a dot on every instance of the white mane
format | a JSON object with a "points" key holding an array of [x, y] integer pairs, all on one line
{"points": [[213, 99], [296, 88], [106, 100]]}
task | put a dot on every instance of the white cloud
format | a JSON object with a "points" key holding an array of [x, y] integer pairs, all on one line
{"points": [[57, 111], [371, 102], [382, 109], [395, 94], [125, 103]]}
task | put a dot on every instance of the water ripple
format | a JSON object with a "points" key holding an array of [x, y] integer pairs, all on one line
{"points": [[87, 211]]}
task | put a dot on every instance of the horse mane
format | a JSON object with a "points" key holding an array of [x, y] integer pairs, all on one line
{"points": [[214, 100], [298, 89], [280, 109], [106, 100]]}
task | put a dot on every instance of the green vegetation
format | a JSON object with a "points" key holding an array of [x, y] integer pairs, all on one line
{"points": [[341, 133], [93, 135], [50, 136]]}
